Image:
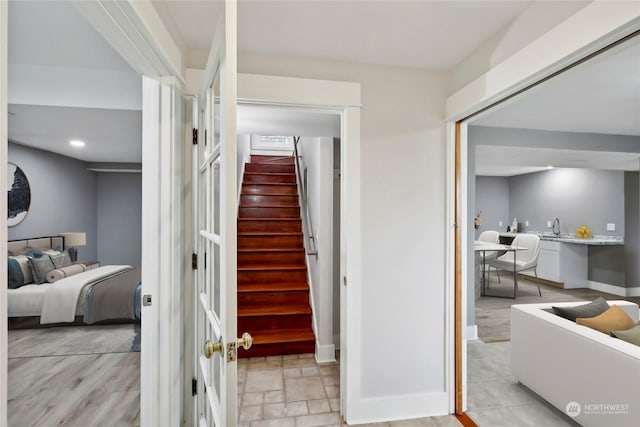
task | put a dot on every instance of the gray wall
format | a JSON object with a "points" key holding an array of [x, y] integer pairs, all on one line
{"points": [[492, 199], [632, 228], [119, 218], [63, 197], [605, 262], [576, 196]]}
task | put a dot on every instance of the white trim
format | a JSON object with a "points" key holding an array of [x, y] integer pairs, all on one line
{"points": [[325, 353], [291, 90], [615, 290], [3, 208], [394, 408], [450, 267], [595, 26], [592, 28], [343, 98], [471, 333], [134, 29]]}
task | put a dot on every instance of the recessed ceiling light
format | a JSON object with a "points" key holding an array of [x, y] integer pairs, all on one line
{"points": [[549, 167], [76, 143]]}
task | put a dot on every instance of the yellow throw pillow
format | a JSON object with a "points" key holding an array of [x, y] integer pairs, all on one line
{"points": [[614, 319]]}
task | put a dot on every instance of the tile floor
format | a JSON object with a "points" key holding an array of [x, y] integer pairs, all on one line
{"points": [[495, 399], [294, 391]]}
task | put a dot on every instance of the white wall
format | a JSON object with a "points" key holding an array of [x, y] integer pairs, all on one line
{"points": [[317, 155], [403, 226], [537, 19], [244, 154]]}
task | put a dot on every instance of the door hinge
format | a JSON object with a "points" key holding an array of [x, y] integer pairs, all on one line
{"points": [[194, 386], [194, 261], [194, 136], [232, 351]]}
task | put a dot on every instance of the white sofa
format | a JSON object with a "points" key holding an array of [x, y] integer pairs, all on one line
{"points": [[586, 374]]}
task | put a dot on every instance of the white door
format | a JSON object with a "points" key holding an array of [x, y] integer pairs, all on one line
{"points": [[216, 343]]}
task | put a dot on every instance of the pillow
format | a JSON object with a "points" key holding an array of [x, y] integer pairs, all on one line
{"points": [[23, 261], [630, 335], [60, 273], [614, 319], [15, 277], [18, 251], [40, 267], [60, 259], [34, 254], [592, 309]]}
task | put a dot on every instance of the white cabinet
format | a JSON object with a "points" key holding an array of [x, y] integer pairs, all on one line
{"points": [[549, 261], [564, 263]]}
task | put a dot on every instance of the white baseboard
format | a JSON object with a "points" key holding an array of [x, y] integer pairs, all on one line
{"points": [[405, 407], [472, 332], [615, 290], [325, 353]]}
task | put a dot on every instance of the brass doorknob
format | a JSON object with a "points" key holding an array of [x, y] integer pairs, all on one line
{"points": [[246, 341], [211, 348]]}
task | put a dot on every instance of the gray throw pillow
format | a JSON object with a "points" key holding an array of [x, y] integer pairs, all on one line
{"points": [[592, 309], [630, 335], [40, 267], [61, 259]]}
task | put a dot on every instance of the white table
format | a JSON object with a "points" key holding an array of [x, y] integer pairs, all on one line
{"points": [[484, 247]]}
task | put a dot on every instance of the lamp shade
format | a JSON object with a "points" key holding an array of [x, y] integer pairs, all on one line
{"points": [[74, 239]]}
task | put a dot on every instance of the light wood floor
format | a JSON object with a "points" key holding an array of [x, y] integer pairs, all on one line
{"points": [[79, 390], [493, 314]]}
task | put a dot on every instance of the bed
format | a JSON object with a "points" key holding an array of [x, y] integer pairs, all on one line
{"points": [[44, 284]]}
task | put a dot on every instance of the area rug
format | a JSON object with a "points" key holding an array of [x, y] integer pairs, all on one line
{"points": [[73, 340]]}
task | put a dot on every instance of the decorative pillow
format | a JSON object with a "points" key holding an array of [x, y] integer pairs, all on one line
{"points": [[40, 267], [34, 254], [630, 335], [614, 319], [15, 277], [60, 259], [592, 309], [60, 273], [23, 261]]}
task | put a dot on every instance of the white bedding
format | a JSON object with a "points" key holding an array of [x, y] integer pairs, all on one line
{"points": [[55, 302]]}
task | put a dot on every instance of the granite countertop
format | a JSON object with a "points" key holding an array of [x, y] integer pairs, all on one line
{"points": [[596, 240]]}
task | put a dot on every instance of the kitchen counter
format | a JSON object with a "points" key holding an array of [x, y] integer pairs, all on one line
{"points": [[595, 240]]}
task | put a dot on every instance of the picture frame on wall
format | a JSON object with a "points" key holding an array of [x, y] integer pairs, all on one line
{"points": [[19, 195]]}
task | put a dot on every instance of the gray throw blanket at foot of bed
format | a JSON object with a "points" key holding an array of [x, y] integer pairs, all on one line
{"points": [[113, 298]]}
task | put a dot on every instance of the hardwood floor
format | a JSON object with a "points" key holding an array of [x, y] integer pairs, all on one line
{"points": [[493, 314], [80, 390]]}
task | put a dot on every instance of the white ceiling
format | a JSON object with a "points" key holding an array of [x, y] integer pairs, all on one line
{"points": [[50, 38], [397, 33], [110, 135], [266, 120], [509, 161], [601, 95]]}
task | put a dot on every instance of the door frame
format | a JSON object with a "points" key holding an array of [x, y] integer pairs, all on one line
{"points": [[342, 98], [4, 158], [587, 32]]}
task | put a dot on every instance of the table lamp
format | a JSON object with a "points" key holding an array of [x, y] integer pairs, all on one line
{"points": [[71, 240]]}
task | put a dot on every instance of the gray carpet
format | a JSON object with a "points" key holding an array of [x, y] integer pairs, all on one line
{"points": [[73, 340], [493, 314]]}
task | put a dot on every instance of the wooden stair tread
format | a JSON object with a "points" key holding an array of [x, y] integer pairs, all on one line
{"points": [[269, 173], [262, 250], [272, 287], [274, 310], [266, 206], [271, 234], [288, 184], [272, 267], [286, 335]]}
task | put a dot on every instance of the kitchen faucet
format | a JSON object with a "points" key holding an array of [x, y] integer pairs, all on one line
{"points": [[556, 226]]}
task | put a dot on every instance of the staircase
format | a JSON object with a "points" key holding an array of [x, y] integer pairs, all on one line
{"points": [[273, 293]]}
